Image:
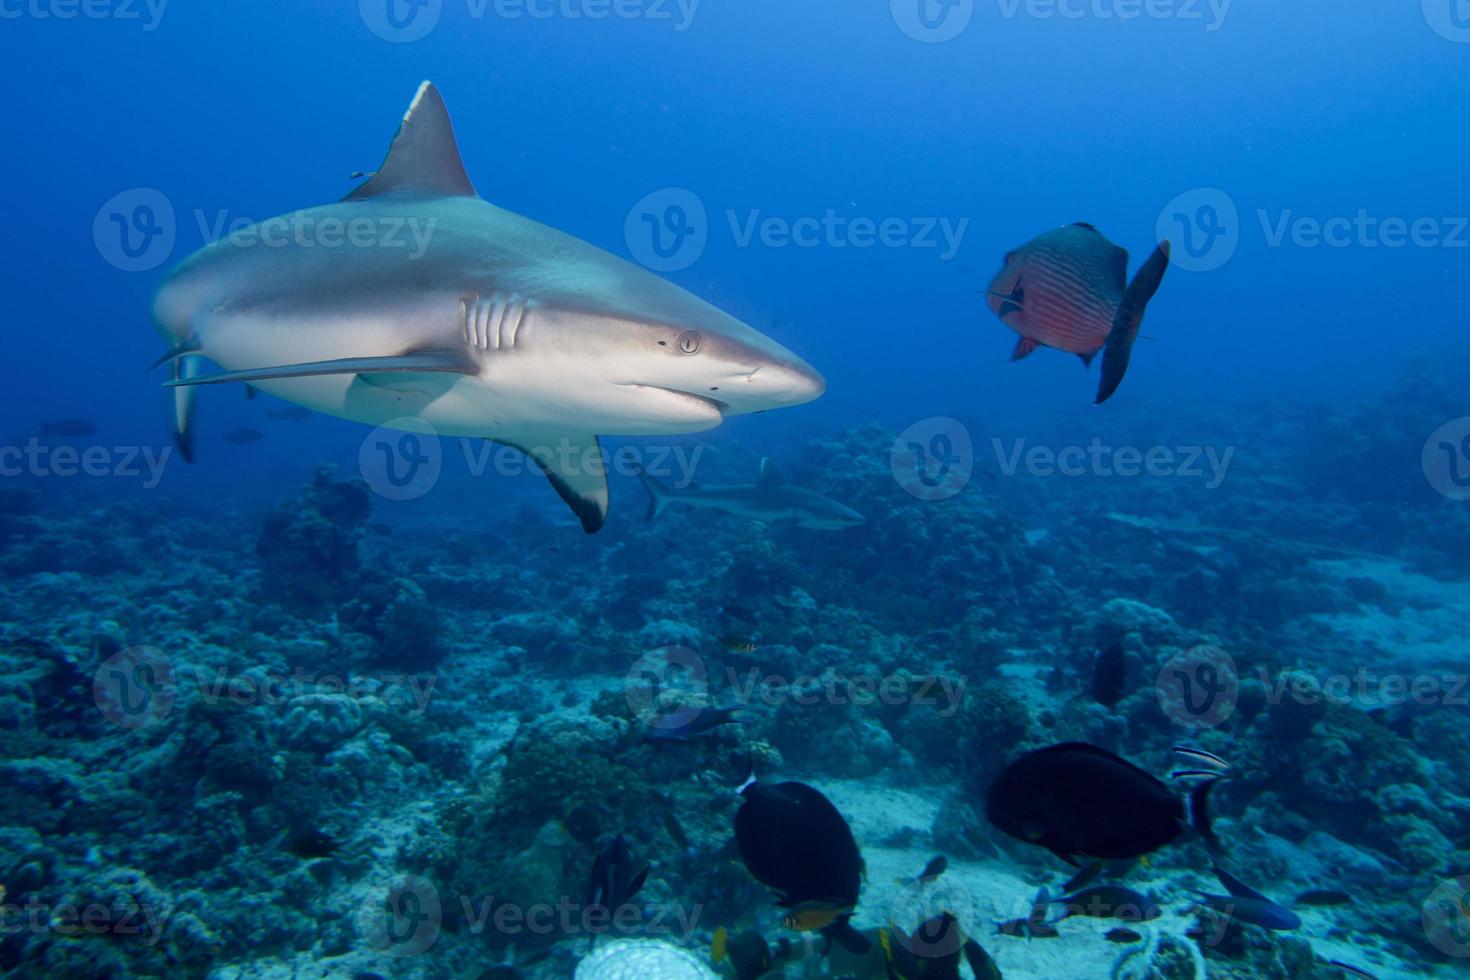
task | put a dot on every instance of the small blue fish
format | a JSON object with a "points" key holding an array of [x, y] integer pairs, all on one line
{"points": [[1248, 905], [702, 721]]}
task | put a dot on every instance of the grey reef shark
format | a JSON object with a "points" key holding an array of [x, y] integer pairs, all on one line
{"points": [[770, 499], [498, 327]]}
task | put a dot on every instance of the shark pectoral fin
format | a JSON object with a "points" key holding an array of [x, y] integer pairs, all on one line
{"points": [[405, 384], [425, 361], [424, 157], [187, 346], [183, 407], [574, 465], [770, 475]]}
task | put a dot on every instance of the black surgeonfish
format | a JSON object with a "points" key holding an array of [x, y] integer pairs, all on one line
{"points": [[1110, 675], [795, 842], [933, 951], [615, 879], [1079, 800], [748, 952]]}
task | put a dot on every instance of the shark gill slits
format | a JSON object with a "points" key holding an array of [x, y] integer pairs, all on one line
{"points": [[689, 342]]}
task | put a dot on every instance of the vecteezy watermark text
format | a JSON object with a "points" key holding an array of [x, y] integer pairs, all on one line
{"points": [[403, 459], [1206, 228], [141, 922], [404, 917], [669, 229], [754, 686], [303, 229], [1210, 13], [148, 13], [36, 459], [1097, 459], [406, 21]]}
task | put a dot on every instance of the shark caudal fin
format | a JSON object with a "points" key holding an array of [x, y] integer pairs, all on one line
{"points": [[1119, 347], [658, 495]]}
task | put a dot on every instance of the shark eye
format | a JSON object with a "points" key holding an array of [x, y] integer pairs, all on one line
{"points": [[688, 342]]}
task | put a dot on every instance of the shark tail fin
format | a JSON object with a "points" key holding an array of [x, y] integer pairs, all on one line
{"points": [[184, 397], [658, 495], [1118, 349]]}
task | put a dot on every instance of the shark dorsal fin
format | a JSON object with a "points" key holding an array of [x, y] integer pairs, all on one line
{"points": [[770, 476], [424, 157]]}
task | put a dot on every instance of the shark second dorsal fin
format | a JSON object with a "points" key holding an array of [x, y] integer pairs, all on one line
{"points": [[770, 475], [424, 157]]}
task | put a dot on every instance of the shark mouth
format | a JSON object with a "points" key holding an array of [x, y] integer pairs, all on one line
{"points": [[700, 403]]}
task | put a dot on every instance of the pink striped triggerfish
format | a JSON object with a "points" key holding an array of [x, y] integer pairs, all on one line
{"points": [[1068, 289]]}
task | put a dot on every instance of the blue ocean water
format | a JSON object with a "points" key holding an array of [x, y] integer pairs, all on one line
{"points": [[846, 178]]}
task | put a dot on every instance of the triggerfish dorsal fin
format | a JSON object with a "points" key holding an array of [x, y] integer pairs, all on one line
{"points": [[1118, 349], [424, 157]]}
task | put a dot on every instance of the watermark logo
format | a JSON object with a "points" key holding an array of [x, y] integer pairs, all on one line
{"points": [[134, 688], [933, 459], [401, 459], [1446, 459], [401, 21], [930, 919], [1450, 19], [1446, 917], [135, 230], [1199, 687], [666, 688], [932, 21], [1204, 225], [401, 917], [668, 230]]}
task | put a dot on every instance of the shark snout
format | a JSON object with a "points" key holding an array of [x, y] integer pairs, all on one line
{"points": [[774, 384]]}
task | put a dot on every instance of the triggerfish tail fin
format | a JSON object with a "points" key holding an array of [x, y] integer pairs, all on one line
{"points": [[1118, 349], [658, 495], [1198, 810], [183, 406]]}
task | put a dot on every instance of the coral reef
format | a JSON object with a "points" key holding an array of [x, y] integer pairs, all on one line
{"points": [[347, 704]]}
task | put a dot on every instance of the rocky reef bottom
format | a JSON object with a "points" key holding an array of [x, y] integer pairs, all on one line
{"points": [[392, 740]]}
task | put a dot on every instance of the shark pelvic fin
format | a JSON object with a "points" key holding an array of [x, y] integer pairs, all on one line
{"points": [[574, 465], [452, 362], [424, 157], [183, 407], [770, 475]]}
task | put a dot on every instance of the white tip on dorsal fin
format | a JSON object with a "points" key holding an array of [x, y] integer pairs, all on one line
{"points": [[424, 157], [770, 476]]}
